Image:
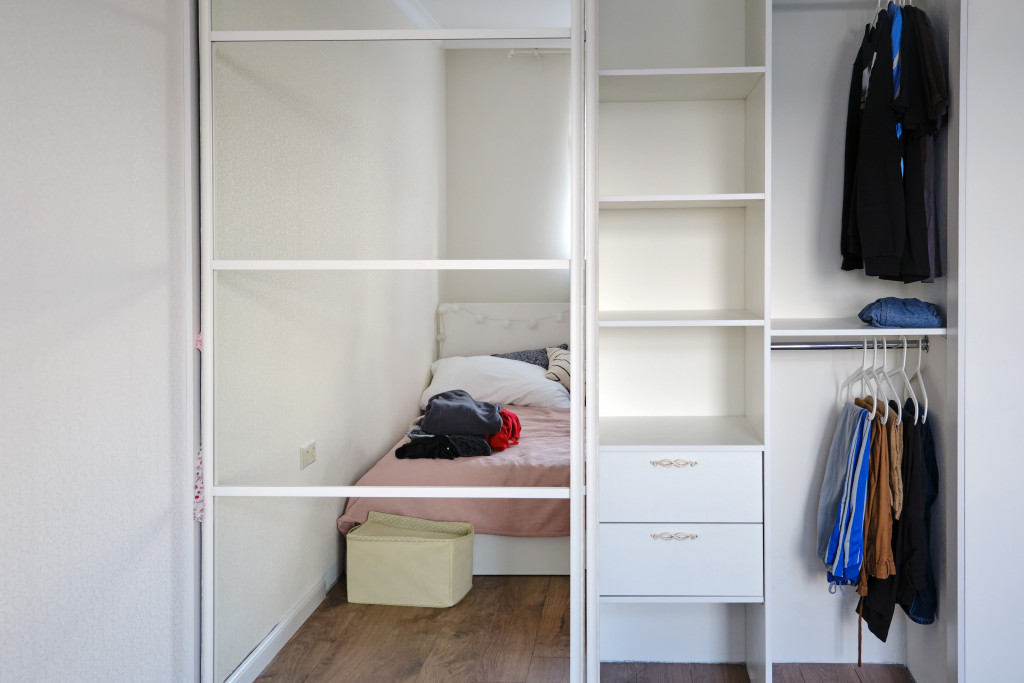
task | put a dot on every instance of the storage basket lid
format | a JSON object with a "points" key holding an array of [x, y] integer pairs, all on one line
{"points": [[380, 526]]}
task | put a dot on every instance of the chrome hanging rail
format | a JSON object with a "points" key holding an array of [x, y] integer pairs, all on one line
{"points": [[921, 343]]}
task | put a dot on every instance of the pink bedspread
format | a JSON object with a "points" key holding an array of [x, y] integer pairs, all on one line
{"points": [[540, 459]]}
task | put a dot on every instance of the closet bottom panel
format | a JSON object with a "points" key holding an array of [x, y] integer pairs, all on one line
{"points": [[711, 560]]}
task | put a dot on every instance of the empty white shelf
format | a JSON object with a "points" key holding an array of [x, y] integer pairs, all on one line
{"points": [[723, 433], [674, 85], [844, 327], [703, 318], [680, 201], [680, 599], [391, 264]]}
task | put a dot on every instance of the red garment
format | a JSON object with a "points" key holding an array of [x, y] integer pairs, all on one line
{"points": [[508, 435]]}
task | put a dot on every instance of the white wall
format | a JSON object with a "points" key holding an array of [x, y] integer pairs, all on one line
{"points": [[994, 239], [94, 342], [508, 173], [322, 150]]}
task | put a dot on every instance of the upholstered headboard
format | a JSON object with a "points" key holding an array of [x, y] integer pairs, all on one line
{"points": [[485, 328]]}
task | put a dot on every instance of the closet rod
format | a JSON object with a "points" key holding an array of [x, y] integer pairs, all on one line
{"points": [[841, 345]]}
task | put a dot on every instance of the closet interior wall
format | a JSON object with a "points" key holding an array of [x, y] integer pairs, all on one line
{"points": [[355, 150], [814, 45]]}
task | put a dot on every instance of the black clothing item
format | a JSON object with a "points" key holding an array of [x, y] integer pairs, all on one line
{"points": [[936, 105], [849, 238], [922, 102], [889, 221], [926, 599], [936, 91], [877, 212], [455, 412], [908, 549], [914, 265], [445, 447]]}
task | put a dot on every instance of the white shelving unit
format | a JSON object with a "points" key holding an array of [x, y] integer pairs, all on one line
{"points": [[683, 327]]}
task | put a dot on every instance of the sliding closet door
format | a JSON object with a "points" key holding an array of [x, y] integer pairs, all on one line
{"points": [[364, 165]]}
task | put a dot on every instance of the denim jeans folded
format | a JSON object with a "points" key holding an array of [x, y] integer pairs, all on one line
{"points": [[892, 311]]}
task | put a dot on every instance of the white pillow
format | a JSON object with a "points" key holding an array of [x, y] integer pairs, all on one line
{"points": [[497, 380]]}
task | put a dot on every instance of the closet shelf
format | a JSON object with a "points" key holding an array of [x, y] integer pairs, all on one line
{"points": [[391, 264], [681, 599], [703, 318], [844, 327], [675, 85], [704, 433], [680, 201]]}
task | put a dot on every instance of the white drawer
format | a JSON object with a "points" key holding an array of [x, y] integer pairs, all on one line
{"points": [[661, 487], [720, 560]]}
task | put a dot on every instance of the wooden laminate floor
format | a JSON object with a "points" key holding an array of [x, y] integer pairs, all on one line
{"points": [[509, 629]]}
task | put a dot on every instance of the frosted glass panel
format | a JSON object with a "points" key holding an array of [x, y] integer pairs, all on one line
{"points": [[339, 358], [328, 150], [271, 555], [388, 14], [390, 150]]}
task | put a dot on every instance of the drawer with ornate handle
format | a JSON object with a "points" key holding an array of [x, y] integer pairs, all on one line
{"points": [[680, 487], [700, 560]]}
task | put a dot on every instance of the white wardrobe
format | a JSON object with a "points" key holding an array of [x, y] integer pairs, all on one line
{"points": [[719, 139], [696, 220]]}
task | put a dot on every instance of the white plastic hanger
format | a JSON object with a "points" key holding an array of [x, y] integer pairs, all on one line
{"points": [[878, 373], [920, 378], [896, 395], [860, 374], [902, 372]]}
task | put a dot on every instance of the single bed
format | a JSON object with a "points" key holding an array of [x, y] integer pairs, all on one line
{"points": [[540, 459], [513, 536]]}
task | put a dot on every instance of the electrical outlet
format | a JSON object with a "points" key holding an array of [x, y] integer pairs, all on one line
{"points": [[307, 455]]}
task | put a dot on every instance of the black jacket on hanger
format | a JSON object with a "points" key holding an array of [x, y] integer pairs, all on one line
{"points": [[874, 216]]}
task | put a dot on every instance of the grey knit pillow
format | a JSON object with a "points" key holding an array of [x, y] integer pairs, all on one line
{"points": [[532, 356]]}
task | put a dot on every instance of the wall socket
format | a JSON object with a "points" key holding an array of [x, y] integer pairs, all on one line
{"points": [[307, 455]]}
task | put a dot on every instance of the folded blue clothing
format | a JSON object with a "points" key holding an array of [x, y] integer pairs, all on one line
{"points": [[892, 311], [455, 412]]}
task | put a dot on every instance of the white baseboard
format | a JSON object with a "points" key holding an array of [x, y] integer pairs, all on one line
{"points": [[253, 665]]}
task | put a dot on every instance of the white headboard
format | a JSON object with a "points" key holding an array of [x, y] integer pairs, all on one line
{"points": [[485, 328]]}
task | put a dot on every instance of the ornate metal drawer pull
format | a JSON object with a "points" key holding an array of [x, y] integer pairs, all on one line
{"points": [[666, 536], [674, 463]]}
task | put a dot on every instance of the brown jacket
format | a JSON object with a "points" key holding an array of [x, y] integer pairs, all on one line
{"points": [[878, 560]]}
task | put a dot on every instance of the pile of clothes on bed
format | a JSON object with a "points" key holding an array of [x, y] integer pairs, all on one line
{"points": [[455, 425]]}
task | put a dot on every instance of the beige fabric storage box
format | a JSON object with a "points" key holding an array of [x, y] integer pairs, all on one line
{"points": [[395, 560]]}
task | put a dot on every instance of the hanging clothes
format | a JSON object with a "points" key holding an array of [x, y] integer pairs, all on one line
{"points": [[908, 546], [889, 220], [878, 558], [875, 225], [841, 504]]}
